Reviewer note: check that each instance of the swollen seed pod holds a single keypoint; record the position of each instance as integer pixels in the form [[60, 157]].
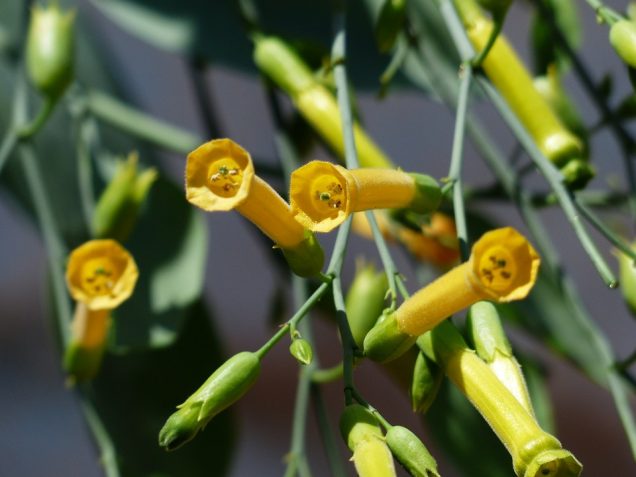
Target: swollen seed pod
[[411, 453], [627, 277], [222, 389], [622, 37], [49, 49]]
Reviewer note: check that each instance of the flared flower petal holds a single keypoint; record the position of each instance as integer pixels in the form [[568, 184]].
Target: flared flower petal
[[101, 274]]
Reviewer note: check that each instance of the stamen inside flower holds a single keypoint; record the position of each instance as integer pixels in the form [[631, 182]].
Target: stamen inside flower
[[497, 268], [328, 195], [99, 275], [224, 177]]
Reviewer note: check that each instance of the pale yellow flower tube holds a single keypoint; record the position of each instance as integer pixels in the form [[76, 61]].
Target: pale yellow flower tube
[[100, 275], [323, 194], [220, 176], [502, 267]]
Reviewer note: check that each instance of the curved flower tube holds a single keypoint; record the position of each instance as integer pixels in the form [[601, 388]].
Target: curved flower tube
[[502, 267], [100, 275], [323, 194], [220, 176]]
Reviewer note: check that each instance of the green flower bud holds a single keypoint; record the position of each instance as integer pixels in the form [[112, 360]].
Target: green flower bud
[[307, 258], [427, 378], [117, 208], [365, 301], [222, 389], [362, 433], [301, 350], [623, 38], [389, 23], [386, 342], [49, 49], [627, 278], [409, 451]]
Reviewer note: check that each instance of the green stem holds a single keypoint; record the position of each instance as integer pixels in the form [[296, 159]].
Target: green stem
[[498, 21], [294, 320], [604, 12], [29, 130], [137, 123], [321, 376], [397, 60], [56, 252], [8, 145], [85, 127], [457, 159], [297, 448], [605, 231], [553, 177], [108, 455], [327, 434]]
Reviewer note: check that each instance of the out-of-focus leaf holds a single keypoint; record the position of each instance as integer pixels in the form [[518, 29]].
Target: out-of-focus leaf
[[542, 40], [606, 86], [627, 108], [169, 244], [465, 437], [135, 393]]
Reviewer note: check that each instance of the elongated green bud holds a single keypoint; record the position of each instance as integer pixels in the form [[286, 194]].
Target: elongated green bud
[[365, 301], [301, 350], [361, 431], [118, 207], [427, 378], [49, 49], [389, 23], [492, 345], [385, 341], [622, 36], [222, 389], [411, 453]]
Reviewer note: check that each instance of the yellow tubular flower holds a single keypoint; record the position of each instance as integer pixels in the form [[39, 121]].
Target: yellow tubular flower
[[502, 267], [323, 195], [100, 275], [220, 177]]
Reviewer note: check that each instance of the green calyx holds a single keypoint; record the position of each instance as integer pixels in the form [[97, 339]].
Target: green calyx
[[81, 363], [49, 49], [428, 194], [307, 258], [357, 423], [627, 278], [385, 342], [411, 453], [577, 173], [223, 388], [282, 65]]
